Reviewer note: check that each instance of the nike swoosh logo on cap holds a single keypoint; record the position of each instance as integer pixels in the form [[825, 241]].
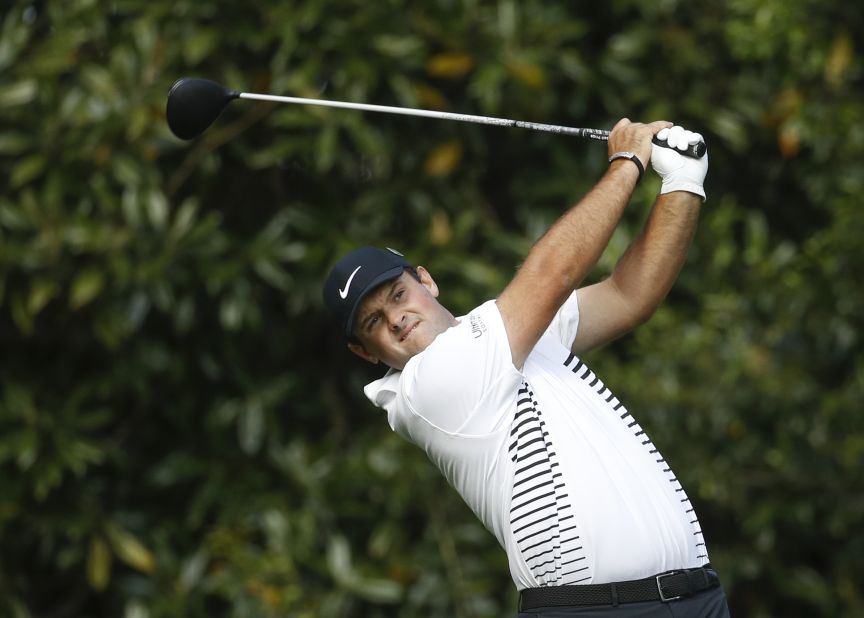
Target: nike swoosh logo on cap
[[343, 294]]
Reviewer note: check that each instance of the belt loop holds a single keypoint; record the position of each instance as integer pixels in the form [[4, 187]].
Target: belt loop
[[705, 575], [614, 591]]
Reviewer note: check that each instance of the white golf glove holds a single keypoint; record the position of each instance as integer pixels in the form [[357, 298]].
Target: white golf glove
[[679, 172]]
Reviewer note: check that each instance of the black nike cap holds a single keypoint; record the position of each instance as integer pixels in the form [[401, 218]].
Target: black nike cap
[[354, 276]]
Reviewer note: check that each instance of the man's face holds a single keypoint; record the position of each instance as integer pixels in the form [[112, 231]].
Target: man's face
[[399, 320]]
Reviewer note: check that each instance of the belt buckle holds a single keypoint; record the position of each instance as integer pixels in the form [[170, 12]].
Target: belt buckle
[[663, 597]]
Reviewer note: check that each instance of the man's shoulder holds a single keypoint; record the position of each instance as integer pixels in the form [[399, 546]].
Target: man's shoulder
[[388, 382]]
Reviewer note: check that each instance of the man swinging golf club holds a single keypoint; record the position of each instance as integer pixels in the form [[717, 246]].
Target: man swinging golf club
[[592, 518]]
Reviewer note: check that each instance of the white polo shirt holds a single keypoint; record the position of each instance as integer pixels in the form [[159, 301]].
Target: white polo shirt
[[548, 458]]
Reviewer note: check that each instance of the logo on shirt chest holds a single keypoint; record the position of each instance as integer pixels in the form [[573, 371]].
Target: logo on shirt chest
[[478, 326]]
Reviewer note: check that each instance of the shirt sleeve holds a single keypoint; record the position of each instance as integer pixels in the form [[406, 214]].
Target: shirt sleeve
[[566, 322], [463, 373]]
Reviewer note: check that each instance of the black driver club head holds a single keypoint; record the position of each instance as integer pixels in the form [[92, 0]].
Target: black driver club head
[[193, 105]]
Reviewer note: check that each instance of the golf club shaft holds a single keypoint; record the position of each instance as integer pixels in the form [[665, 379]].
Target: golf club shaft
[[598, 134]]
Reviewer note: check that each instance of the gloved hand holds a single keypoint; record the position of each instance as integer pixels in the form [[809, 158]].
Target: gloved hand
[[679, 172]]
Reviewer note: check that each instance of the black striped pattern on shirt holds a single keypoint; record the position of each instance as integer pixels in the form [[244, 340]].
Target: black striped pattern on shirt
[[541, 518], [581, 369]]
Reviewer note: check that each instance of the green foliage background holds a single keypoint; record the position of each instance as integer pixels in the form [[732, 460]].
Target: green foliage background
[[181, 434]]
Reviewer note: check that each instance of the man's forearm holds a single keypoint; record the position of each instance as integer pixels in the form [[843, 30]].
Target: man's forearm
[[649, 267], [574, 244], [562, 258]]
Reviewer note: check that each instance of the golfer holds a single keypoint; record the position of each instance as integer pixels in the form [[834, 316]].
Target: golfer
[[592, 517]]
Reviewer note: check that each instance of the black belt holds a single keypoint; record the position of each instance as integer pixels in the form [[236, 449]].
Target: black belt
[[663, 587]]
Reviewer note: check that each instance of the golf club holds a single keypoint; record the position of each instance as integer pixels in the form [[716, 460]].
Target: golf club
[[194, 104]]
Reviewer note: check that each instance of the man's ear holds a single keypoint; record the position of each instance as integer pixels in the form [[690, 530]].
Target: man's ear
[[427, 281], [360, 351]]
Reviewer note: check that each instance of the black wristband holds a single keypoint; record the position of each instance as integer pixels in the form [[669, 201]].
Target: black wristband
[[632, 157]]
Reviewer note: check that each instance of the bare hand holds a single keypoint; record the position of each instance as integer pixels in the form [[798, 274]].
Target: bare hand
[[635, 137]]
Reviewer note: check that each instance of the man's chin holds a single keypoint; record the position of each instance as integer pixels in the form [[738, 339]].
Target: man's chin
[[402, 360]]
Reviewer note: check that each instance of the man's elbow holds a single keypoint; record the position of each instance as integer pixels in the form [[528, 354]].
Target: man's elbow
[[642, 310], [635, 306]]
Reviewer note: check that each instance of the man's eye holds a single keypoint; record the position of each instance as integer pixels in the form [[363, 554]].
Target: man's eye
[[399, 294], [371, 322]]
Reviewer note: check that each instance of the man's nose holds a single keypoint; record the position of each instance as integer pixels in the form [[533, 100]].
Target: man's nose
[[397, 321]]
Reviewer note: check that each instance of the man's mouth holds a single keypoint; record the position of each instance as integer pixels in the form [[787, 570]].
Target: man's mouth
[[407, 332]]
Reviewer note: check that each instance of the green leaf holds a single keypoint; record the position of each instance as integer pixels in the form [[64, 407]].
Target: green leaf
[[157, 209], [325, 147], [273, 274], [184, 219], [26, 170], [199, 46], [27, 449], [251, 427], [98, 564], [192, 570], [126, 170], [129, 549], [41, 293], [231, 313], [48, 475], [78, 454], [15, 143], [339, 560], [378, 590], [13, 217], [86, 286], [19, 93]]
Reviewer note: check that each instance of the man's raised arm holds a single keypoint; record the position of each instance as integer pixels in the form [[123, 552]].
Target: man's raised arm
[[645, 273], [559, 261]]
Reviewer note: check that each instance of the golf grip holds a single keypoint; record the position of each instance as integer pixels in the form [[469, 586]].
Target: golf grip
[[695, 151]]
